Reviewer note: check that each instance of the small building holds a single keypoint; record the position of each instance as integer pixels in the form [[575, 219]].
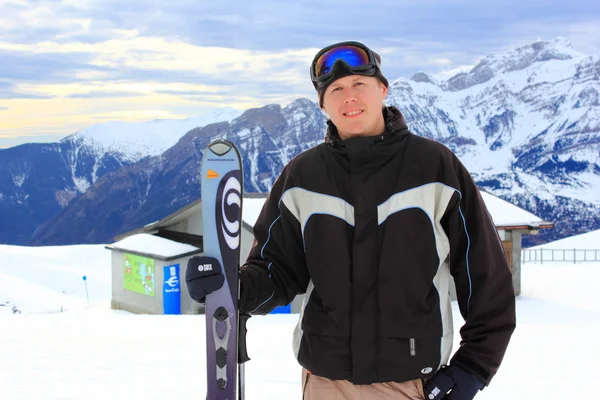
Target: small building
[[179, 237], [146, 273], [512, 223]]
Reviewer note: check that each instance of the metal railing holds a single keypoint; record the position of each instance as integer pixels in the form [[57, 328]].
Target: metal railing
[[561, 255]]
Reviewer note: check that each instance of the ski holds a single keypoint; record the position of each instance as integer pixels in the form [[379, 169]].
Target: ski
[[222, 196]]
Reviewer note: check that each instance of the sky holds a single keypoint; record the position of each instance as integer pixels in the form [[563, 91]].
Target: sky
[[66, 65]]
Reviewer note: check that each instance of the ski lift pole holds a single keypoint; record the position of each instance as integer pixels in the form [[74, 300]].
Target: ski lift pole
[[86, 291]]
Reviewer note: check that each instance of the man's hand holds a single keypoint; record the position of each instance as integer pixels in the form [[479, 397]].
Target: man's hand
[[460, 384]]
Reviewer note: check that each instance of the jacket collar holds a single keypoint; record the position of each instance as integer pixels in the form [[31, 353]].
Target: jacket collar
[[394, 125]]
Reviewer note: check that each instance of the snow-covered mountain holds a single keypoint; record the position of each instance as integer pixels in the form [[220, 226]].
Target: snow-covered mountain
[[38, 180], [525, 122], [143, 192], [133, 141]]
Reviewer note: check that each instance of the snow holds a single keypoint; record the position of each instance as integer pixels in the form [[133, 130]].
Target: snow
[[149, 244], [60, 269], [539, 97], [20, 290], [507, 214], [135, 140], [589, 240], [92, 352], [251, 209]]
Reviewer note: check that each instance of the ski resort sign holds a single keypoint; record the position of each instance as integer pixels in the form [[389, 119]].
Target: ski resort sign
[[138, 274]]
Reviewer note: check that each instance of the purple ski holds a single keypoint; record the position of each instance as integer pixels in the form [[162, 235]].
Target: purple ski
[[222, 194]]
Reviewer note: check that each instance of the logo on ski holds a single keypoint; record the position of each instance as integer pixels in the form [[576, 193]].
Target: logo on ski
[[228, 216], [205, 267], [212, 174]]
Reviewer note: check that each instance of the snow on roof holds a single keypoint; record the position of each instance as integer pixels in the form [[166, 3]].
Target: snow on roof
[[146, 243], [251, 209], [503, 213], [506, 214], [589, 240]]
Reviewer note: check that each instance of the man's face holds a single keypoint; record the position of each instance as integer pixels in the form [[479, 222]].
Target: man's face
[[354, 105]]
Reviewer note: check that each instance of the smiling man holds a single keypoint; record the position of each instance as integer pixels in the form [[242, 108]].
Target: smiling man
[[354, 105], [354, 101], [373, 225]]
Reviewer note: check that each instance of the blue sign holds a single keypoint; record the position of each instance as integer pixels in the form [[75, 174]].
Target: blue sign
[[171, 290], [282, 309]]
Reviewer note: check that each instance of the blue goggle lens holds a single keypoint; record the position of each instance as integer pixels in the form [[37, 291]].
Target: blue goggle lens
[[352, 55]]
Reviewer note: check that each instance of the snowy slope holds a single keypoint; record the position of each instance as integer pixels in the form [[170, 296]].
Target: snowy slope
[[588, 241], [46, 279], [91, 352]]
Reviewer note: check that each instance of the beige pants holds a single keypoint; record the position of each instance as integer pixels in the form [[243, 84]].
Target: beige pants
[[318, 388]]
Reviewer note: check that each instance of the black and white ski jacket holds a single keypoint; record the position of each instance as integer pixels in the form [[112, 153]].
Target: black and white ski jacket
[[372, 229]]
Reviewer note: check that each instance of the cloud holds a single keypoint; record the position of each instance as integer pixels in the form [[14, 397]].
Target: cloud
[[72, 62], [101, 95], [11, 91], [583, 35], [115, 40], [24, 62]]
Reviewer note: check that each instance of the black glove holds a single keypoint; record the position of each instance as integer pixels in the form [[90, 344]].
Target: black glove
[[463, 384], [203, 276]]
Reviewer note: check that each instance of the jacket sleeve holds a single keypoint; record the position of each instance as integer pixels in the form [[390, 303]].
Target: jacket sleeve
[[275, 271], [483, 281]]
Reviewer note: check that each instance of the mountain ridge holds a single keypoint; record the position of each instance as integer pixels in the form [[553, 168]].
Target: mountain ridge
[[526, 124]]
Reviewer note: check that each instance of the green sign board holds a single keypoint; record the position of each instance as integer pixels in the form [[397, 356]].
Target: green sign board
[[138, 274]]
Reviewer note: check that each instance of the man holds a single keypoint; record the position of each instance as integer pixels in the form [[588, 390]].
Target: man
[[372, 225]]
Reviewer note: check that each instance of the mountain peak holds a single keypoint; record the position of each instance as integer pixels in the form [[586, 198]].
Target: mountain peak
[[513, 60], [135, 140], [558, 48], [421, 77]]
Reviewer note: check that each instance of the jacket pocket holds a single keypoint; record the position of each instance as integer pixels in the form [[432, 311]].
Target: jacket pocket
[[408, 358], [410, 347]]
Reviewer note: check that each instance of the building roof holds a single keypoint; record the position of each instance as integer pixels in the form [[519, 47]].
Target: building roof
[[154, 246], [506, 216], [251, 207]]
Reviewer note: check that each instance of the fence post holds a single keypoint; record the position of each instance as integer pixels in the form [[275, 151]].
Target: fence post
[[541, 256], [574, 256]]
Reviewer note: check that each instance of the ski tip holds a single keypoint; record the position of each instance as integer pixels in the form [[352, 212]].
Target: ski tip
[[220, 147]]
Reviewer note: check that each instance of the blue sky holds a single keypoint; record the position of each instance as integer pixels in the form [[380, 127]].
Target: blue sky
[[65, 65]]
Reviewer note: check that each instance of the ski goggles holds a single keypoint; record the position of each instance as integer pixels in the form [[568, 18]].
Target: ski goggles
[[357, 57]]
